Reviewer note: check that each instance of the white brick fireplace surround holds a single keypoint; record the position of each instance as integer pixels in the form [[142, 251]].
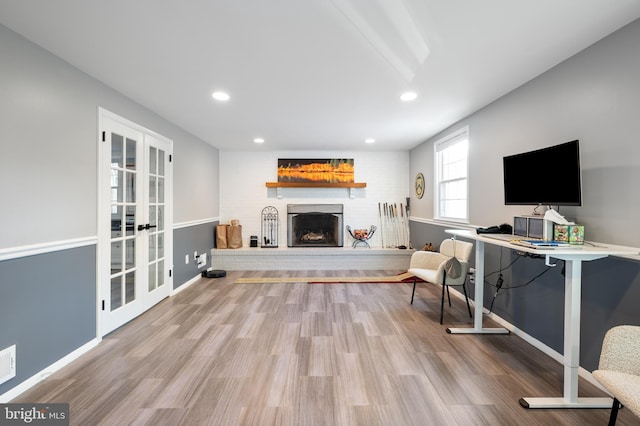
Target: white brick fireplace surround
[[310, 258], [243, 195]]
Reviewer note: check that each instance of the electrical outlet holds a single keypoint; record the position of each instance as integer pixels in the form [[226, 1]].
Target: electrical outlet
[[202, 260], [195, 256], [7, 363], [186, 259]]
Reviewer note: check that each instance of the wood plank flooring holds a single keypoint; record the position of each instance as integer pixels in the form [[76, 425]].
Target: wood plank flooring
[[220, 353]]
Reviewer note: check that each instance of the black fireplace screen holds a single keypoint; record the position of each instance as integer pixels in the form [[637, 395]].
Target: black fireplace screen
[[310, 226]]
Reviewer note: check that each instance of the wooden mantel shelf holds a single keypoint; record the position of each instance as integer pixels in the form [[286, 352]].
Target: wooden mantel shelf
[[314, 185], [280, 185]]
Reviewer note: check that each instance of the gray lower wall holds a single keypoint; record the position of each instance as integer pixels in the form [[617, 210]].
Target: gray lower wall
[[47, 308], [610, 294], [185, 241], [48, 301], [48, 181]]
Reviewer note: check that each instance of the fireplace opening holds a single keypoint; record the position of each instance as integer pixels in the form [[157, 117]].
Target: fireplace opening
[[314, 225]]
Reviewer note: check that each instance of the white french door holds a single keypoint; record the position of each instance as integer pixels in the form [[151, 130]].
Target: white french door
[[135, 213]]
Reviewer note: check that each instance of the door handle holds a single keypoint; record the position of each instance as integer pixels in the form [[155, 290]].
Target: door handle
[[147, 226], [141, 227]]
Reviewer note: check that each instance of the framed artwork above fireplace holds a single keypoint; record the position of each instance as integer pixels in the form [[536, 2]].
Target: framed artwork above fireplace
[[316, 171]]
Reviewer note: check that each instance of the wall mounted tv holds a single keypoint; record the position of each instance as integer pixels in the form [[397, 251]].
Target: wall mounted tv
[[548, 176]]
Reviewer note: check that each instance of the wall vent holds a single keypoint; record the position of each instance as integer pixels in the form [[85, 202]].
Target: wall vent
[[7, 363]]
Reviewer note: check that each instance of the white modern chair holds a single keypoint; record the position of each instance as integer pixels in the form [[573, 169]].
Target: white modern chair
[[619, 368], [432, 267]]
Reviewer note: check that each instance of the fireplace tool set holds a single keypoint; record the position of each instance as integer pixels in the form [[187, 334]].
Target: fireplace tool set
[[394, 225], [270, 221]]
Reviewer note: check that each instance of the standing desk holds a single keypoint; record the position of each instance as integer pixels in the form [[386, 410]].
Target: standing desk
[[572, 298]]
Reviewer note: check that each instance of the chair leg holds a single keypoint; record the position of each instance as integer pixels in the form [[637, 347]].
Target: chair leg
[[442, 304], [464, 288], [414, 288], [614, 412], [444, 284], [449, 296]]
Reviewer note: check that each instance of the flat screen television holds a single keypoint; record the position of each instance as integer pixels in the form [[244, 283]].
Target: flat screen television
[[548, 176]]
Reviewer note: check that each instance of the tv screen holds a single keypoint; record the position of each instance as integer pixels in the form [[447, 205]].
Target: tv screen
[[548, 176]]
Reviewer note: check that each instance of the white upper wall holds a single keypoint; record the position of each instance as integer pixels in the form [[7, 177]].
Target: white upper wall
[[48, 141], [243, 193], [594, 97]]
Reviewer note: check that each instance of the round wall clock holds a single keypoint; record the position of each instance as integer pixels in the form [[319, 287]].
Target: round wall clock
[[419, 185]]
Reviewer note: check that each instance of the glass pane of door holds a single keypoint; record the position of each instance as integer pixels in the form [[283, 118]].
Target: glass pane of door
[[116, 292], [123, 221], [157, 158]]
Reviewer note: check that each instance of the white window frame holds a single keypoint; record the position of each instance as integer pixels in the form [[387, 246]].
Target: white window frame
[[439, 147]]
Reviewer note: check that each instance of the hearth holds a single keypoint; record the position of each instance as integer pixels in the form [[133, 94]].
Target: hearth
[[315, 225]]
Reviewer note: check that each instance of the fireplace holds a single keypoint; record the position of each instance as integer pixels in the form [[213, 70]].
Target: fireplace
[[314, 225]]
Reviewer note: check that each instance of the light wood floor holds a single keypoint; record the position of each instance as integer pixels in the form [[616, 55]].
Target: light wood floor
[[309, 354]]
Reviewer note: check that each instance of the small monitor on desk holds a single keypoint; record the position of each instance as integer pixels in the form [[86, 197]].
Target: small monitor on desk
[[536, 227], [520, 226]]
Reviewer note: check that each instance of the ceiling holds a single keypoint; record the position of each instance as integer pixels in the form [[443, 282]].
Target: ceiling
[[315, 75]]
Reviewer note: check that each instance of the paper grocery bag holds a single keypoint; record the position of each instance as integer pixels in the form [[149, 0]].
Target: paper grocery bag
[[221, 236], [234, 236]]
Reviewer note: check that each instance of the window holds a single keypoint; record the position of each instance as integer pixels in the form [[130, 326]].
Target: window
[[451, 154]]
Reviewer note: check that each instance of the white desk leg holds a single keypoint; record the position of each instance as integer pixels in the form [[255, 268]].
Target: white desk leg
[[479, 300], [571, 359]]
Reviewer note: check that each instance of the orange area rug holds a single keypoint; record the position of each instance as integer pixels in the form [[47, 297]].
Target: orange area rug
[[404, 277]]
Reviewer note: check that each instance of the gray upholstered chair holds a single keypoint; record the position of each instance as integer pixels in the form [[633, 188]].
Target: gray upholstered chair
[[438, 268], [619, 368]]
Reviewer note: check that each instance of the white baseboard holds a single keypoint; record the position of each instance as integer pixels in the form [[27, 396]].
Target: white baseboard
[[38, 377], [186, 284], [585, 374], [46, 372]]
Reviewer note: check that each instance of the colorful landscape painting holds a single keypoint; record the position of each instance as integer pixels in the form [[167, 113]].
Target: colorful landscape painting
[[316, 170]]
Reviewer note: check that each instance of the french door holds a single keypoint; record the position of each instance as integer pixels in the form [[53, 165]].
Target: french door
[[135, 216]]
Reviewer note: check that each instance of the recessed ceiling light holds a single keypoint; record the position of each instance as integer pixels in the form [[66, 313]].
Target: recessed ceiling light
[[369, 140], [258, 140], [408, 96], [220, 96]]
